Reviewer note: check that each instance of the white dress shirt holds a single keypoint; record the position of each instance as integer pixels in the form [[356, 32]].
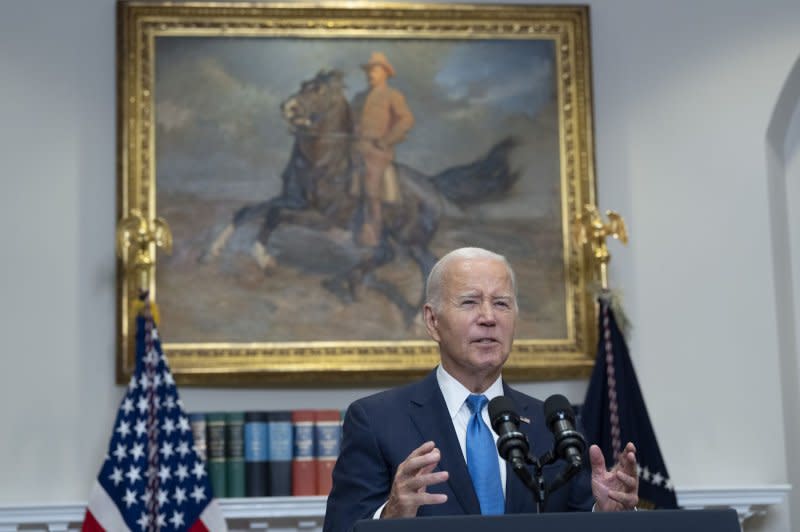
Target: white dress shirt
[[455, 396]]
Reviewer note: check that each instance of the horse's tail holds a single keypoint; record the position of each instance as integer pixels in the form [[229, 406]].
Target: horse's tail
[[488, 178]]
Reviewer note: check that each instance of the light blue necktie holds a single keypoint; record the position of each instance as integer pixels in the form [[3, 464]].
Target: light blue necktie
[[482, 459]]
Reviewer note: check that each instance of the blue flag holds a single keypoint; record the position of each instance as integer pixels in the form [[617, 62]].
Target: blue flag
[[614, 413], [152, 477]]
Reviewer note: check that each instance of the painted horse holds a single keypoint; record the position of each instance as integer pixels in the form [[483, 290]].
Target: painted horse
[[316, 193]]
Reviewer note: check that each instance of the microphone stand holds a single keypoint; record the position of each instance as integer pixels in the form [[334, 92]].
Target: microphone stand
[[535, 482]]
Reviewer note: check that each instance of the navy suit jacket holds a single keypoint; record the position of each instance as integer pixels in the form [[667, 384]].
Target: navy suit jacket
[[381, 430]]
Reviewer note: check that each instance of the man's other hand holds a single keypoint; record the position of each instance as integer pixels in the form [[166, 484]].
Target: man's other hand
[[414, 475], [617, 489]]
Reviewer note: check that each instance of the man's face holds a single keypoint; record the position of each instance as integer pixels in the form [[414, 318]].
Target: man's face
[[475, 325], [377, 75]]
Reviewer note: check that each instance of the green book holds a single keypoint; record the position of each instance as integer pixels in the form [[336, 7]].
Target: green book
[[234, 446], [217, 467]]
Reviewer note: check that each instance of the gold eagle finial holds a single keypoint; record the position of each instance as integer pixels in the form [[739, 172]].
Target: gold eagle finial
[[589, 228], [137, 239]]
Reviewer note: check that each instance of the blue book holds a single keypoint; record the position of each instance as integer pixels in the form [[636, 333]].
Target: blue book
[[256, 454]]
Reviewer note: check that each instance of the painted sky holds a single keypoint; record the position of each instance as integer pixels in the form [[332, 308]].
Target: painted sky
[[218, 100]]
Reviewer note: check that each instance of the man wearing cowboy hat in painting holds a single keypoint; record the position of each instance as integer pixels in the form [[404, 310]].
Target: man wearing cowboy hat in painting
[[382, 120]]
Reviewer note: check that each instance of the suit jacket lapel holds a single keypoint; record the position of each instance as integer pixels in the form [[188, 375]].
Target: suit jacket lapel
[[429, 413]]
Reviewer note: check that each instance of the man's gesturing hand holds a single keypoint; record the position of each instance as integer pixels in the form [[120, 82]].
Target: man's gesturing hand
[[413, 477], [617, 489]]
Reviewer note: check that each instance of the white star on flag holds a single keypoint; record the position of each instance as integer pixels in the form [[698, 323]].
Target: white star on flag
[[197, 494], [137, 451], [116, 476], [177, 519], [124, 429], [130, 497], [183, 449], [120, 452], [133, 474], [140, 428], [183, 425], [182, 472], [142, 405], [199, 470], [180, 496], [166, 450], [164, 474], [169, 426], [169, 402], [143, 520]]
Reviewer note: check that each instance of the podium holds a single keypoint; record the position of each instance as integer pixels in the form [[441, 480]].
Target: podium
[[649, 521]]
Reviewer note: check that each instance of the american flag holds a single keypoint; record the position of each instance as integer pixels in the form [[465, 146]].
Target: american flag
[[614, 413], [152, 478]]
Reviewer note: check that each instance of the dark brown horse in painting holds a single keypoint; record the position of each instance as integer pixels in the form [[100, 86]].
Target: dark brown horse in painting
[[316, 193]]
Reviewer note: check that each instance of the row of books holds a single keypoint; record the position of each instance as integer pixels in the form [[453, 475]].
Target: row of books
[[268, 453]]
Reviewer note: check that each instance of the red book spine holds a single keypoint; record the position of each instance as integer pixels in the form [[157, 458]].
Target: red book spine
[[304, 481], [327, 438]]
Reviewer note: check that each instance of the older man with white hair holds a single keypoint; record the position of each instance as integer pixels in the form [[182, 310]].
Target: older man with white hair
[[426, 448]]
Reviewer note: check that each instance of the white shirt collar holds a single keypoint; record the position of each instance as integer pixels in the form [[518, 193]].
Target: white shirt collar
[[456, 393]]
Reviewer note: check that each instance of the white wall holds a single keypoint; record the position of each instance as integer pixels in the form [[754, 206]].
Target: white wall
[[684, 92]]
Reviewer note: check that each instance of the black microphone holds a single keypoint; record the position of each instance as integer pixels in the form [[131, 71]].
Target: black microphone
[[560, 418], [512, 444]]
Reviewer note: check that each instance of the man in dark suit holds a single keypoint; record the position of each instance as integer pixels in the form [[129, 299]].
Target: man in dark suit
[[412, 450]]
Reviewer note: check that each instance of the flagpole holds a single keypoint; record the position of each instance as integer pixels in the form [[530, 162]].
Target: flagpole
[[589, 228]]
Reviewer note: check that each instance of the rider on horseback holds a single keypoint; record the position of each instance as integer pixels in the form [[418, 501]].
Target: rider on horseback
[[317, 188], [383, 119]]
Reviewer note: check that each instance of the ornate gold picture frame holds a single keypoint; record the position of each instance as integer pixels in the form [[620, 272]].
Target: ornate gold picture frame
[[240, 125]]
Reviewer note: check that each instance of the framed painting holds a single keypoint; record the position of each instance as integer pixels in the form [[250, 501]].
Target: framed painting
[[308, 201]]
